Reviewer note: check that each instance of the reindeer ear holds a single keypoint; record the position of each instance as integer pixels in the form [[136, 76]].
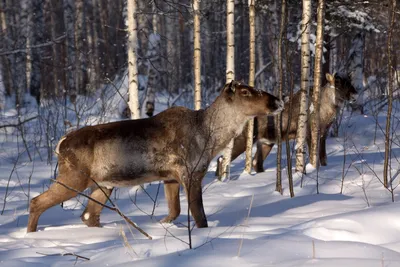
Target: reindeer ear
[[330, 78], [231, 87], [286, 98]]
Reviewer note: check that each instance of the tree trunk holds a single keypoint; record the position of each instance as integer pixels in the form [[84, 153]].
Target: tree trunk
[[314, 116], [252, 73], [94, 66], [304, 87], [355, 66], [386, 164], [36, 38], [55, 58], [197, 55], [5, 66], [106, 52], [282, 35], [260, 54], [20, 61], [133, 83], [70, 47], [80, 65], [230, 75]]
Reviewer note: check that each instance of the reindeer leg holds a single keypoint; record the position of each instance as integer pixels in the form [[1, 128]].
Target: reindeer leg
[[194, 196], [55, 195], [263, 151], [91, 215], [171, 189], [322, 149]]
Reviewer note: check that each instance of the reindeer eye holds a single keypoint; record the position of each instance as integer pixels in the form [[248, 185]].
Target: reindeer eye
[[245, 92]]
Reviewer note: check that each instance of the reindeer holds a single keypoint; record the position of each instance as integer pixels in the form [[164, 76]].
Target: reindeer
[[175, 146], [337, 90]]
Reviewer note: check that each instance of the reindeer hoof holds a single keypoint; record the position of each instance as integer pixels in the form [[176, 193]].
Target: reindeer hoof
[[90, 220], [168, 219], [202, 224]]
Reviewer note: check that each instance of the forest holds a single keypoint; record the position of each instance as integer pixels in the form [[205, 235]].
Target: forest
[[311, 180]]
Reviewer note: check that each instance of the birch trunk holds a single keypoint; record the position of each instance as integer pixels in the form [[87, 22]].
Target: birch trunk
[[230, 75], [386, 165], [252, 73], [304, 87], [197, 55], [132, 60], [314, 116]]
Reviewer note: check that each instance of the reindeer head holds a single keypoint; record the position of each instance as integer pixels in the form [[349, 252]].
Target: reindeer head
[[251, 102], [344, 90]]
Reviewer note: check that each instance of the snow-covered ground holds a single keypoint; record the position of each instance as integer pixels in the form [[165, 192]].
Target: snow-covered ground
[[360, 227]]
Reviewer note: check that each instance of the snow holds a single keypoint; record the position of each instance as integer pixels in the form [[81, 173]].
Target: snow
[[357, 228]]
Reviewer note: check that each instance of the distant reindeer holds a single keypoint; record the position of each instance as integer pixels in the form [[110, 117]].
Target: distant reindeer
[[175, 146], [337, 90]]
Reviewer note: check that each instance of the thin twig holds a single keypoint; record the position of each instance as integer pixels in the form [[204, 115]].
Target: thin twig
[[65, 254], [17, 124], [134, 225]]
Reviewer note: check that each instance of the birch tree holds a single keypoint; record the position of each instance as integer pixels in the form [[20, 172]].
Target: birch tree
[[304, 86], [197, 55], [252, 73], [314, 115], [230, 75], [132, 60]]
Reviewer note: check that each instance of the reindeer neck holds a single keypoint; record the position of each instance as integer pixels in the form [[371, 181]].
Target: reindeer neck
[[329, 102], [224, 122]]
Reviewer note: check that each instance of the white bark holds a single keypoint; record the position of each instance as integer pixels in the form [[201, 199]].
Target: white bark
[[304, 87], [230, 41], [252, 73], [315, 132], [197, 55], [230, 75], [133, 84]]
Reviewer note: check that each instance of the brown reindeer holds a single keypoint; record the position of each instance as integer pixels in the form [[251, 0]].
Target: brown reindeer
[[175, 146], [337, 90]]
